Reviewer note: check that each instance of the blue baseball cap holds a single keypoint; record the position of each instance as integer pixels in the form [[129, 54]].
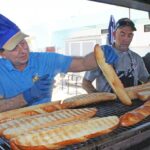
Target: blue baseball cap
[[125, 22], [10, 34]]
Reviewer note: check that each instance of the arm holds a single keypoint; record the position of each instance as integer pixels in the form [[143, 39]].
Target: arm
[[39, 90], [12, 103], [89, 61], [88, 86], [83, 63]]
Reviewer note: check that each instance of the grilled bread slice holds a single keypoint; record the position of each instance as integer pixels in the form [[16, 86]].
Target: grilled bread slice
[[133, 91], [60, 136], [86, 99], [111, 76], [144, 95], [72, 102], [28, 111], [135, 116], [15, 127]]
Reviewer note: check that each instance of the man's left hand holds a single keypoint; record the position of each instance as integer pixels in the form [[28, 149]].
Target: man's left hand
[[110, 54]]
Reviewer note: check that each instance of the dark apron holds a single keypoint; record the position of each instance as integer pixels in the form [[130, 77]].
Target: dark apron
[[127, 79]]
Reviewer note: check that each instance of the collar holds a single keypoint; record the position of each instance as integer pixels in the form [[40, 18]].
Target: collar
[[120, 52], [10, 66]]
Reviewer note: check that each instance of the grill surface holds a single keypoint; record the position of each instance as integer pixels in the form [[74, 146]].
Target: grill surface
[[120, 139], [4, 144]]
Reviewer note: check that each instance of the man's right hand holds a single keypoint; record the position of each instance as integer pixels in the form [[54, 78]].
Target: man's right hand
[[39, 90]]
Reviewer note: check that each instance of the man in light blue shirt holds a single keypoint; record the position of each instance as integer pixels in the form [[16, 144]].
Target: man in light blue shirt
[[130, 66], [26, 78]]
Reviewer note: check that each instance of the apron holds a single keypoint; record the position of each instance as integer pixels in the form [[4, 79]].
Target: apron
[[130, 77]]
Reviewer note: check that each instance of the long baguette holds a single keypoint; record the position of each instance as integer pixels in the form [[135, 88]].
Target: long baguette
[[134, 90], [56, 138], [16, 127], [28, 111], [86, 99], [135, 116], [143, 95], [111, 76], [14, 147], [72, 102]]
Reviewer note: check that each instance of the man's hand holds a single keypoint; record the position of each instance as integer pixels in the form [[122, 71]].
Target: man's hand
[[88, 86], [110, 54], [39, 90]]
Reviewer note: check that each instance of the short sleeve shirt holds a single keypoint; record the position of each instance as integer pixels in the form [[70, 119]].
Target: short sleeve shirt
[[128, 61], [14, 82]]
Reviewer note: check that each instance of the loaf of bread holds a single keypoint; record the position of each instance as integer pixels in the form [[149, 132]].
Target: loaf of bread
[[134, 90], [22, 125], [14, 147], [60, 136], [147, 103], [135, 116], [86, 99], [111, 76], [143, 95], [28, 111], [72, 102]]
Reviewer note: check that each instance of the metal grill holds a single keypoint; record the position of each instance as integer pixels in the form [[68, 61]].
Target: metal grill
[[4, 144], [123, 138]]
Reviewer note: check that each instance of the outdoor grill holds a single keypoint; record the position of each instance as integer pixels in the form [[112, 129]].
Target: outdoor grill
[[123, 138]]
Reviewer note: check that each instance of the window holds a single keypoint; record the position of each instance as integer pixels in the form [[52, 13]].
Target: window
[[104, 31], [147, 28]]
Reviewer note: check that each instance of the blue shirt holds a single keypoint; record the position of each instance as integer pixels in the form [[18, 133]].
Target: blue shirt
[[14, 82]]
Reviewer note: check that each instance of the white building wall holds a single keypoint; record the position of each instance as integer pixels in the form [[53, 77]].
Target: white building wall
[[141, 41], [81, 43]]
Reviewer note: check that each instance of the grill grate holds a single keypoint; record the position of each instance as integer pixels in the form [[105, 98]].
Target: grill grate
[[118, 135], [122, 135], [4, 144]]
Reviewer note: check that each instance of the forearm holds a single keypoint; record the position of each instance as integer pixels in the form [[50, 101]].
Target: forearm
[[83, 63], [88, 87], [12, 103], [89, 62]]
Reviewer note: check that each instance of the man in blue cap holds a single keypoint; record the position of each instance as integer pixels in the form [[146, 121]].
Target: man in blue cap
[[26, 78], [129, 67]]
